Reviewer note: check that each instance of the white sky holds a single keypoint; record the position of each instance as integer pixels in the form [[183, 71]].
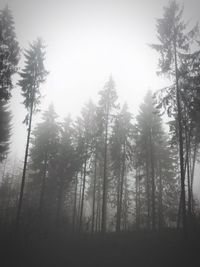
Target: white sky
[[87, 40]]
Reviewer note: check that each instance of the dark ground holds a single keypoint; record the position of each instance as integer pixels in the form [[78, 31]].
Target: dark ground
[[166, 248]]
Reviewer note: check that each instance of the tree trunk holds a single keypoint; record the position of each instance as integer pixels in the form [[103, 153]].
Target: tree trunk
[[192, 172], [187, 143], [75, 200], [137, 199], [147, 187], [183, 202], [24, 170], [118, 200], [83, 195], [98, 208], [94, 192], [80, 194], [152, 183], [160, 197], [104, 200], [119, 215], [125, 206]]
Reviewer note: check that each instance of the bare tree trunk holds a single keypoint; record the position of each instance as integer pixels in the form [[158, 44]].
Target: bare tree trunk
[[183, 202], [192, 172], [24, 169], [99, 214], [104, 199], [118, 200], [147, 187], [98, 208], [94, 192], [187, 141], [83, 195], [125, 206], [179, 214], [160, 197], [80, 194], [152, 183], [137, 198], [119, 215], [75, 200]]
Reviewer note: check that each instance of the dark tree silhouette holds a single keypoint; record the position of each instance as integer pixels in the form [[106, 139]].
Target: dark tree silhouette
[[121, 151], [45, 142], [106, 105], [9, 53], [174, 42], [32, 76], [9, 58]]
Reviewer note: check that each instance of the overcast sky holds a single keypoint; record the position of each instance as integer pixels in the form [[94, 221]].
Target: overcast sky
[[86, 42]]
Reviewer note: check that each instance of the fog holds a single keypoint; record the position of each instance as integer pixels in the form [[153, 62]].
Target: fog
[[86, 42], [106, 173]]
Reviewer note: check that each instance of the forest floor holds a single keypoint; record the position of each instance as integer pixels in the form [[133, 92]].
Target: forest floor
[[141, 248]]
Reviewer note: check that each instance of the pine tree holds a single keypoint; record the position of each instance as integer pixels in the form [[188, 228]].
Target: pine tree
[[121, 154], [9, 58], [32, 76], [65, 165], [152, 159], [45, 141], [87, 124], [106, 106], [174, 43], [9, 53], [190, 96]]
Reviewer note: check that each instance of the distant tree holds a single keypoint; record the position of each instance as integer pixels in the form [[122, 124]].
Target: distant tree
[[87, 122], [78, 178], [107, 103], [154, 163], [5, 126], [32, 76], [146, 128], [45, 142], [98, 157], [9, 53], [121, 154], [65, 166]]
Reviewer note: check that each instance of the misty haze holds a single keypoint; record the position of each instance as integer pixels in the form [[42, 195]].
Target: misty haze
[[99, 133]]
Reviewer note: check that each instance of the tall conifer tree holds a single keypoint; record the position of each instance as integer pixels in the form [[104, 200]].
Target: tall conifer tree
[[32, 76]]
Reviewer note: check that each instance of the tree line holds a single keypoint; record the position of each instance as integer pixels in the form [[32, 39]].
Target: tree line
[[106, 170]]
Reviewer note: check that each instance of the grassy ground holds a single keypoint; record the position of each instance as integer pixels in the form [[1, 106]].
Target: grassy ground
[[166, 248]]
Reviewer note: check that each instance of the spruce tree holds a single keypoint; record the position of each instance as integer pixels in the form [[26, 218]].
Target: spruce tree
[[121, 155], [65, 165], [87, 123], [107, 104], [9, 53], [32, 76], [174, 42], [9, 58], [153, 161], [45, 142]]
